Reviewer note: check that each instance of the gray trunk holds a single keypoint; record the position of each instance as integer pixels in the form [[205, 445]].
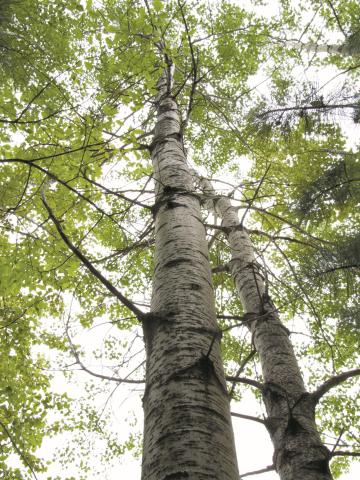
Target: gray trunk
[[187, 432], [299, 453]]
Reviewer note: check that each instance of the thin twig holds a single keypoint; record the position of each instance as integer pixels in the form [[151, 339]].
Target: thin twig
[[94, 374]]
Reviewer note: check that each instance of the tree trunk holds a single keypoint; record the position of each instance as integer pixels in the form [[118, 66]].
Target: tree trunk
[[298, 450], [343, 49], [187, 432]]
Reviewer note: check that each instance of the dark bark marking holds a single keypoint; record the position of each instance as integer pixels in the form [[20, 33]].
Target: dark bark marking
[[275, 391], [320, 466], [176, 476], [213, 413], [160, 226], [167, 197], [176, 262], [162, 108], [172, 240], [200, 220], [204, 365], [159, 139], [272, 424], [293, 427], [227, 230], [150, 323], [170, 190], [170, 204], [204, 255]]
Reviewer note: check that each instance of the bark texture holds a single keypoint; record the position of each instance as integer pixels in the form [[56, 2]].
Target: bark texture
[[344, 49], [298, 450], [187, 432]]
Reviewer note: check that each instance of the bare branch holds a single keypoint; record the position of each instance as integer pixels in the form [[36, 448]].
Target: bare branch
[[335, 269], [257, 191], [60, 181], [336, 17], [338, 440], [334, 382], [270, 468], [322, 107], [243, 364], [124, 251], [341, 453], [248, 417], [20, 453], [280, 237], [94, 374], [220, 269], [124, 300], [247, 381], [119, 195]]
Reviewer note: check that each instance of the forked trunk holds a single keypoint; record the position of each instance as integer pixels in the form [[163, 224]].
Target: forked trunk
[[188, 432], [299, 452]]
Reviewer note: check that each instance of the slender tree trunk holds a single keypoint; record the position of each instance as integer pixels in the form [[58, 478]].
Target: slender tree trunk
[[341, 49], [299, 452], [188, 432]]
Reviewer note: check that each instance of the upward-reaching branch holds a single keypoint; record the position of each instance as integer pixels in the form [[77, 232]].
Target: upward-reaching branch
[[85, 261], [334, 382]]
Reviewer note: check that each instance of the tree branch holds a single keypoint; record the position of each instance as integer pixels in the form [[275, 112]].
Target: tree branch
[[270, 468], [248, 417], [322, 107], [124, 300], [220, 268], [336, 17], [119, 195], [341, 453], [20, 453], [246, 381], [94, 374], [257, 191], [334, 382], [246, 360]]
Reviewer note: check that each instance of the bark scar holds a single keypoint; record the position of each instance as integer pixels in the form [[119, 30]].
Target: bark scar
[[150, 323]]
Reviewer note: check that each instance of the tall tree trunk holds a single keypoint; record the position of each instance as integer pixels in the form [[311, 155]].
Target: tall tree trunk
[[299, 452], [344, 49], [188, 432]]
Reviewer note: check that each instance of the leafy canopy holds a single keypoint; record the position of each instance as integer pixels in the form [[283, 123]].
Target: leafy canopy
[[77, 87]]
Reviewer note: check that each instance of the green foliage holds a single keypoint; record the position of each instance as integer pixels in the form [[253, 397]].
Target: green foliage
[[76, 116]]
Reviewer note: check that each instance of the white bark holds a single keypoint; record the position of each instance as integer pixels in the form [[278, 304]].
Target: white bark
[[340, 49], [187, 432], [299, 452]]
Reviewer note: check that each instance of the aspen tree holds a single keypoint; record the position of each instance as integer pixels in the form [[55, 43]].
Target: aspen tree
[[188, 431]]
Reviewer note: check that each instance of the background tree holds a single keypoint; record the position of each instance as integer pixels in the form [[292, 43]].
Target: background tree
[[78, 89]]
